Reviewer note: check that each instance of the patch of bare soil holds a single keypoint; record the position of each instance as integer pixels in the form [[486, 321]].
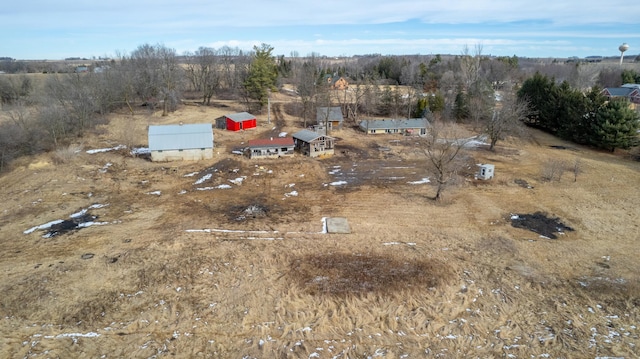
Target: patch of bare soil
[[345, 274], [540, 223]]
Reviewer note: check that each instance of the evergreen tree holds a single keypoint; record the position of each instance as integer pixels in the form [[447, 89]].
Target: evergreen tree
[[436, 103], [262, 76], [570, 107], [461, 107], [538, 92], [615, 126]]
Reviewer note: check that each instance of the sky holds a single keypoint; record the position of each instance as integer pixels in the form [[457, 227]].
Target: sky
[[45, 29]]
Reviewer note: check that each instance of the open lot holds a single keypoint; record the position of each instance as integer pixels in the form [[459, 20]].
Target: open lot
[[229, 257]]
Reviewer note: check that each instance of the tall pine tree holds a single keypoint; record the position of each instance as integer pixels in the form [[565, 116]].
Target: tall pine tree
[[615, 126], [262, 76]]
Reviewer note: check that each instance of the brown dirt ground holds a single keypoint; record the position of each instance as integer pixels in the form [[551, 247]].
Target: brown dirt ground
[[194, 273]]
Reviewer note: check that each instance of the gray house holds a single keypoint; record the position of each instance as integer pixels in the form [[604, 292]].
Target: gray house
[[189, 142], [313, 144], [329, 116], [408, 127]]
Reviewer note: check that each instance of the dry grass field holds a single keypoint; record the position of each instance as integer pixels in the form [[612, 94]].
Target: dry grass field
[[177, 265]]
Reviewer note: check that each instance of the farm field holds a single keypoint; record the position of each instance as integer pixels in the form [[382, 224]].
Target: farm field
[[229, 257]]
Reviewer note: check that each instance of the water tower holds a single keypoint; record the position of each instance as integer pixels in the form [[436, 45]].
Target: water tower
[[624, 47]]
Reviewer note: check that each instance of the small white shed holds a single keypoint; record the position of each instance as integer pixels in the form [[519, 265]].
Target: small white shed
[[485, 172], [190, 142]]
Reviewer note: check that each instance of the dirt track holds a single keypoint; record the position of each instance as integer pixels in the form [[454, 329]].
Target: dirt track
[[177, 271]]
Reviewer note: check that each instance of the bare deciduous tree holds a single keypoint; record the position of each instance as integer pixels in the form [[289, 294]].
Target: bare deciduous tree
[[552, 170], [306, 83], [158, 74], [506, 119], [202, 72], [444, 144]]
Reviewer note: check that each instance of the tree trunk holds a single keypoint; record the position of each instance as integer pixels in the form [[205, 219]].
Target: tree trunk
[[438, 197], [493, 144]]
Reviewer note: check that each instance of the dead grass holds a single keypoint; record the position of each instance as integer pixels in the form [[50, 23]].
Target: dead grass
[[413, 278]]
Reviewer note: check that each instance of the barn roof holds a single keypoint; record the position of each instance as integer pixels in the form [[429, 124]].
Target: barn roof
[[307, 135], [330, 113], [180, 137], [271, 142], [393, 124], [240, 116], [619, 91]]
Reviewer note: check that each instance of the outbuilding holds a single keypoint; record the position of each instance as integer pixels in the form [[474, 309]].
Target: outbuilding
[[408, 127], [486, 171], [271, 147], [329, 117], [240, 121], [313, 144], [186, 142]]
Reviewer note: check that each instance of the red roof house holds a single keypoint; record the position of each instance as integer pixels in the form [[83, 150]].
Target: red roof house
[[271, 147]]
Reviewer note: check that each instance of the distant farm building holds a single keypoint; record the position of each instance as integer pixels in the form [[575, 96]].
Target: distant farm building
[[239, 121], [271, 147], [313, 144], [330, 117], [408, 127], [188, 142], [337, 82], [630, 92]]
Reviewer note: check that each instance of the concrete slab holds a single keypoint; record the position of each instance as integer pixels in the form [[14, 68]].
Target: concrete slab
[[338, 225]]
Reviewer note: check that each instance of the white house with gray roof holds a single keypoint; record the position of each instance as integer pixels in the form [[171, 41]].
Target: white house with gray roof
[[408, 127], [184, 142]]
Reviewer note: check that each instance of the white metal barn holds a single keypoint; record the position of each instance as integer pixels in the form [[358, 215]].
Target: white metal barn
[[184, 142], [485, 172]]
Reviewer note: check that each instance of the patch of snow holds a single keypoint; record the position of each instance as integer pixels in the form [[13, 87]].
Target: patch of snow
[[99, 150], [223, 186], [282, 134], [190, 174], [84, 210], [156, 193], [202, 179], [204, 188], [422, 181], [338, 183], [236, 152], [78, 335], [140, 151], [105, 167], [182, 192], [238, 181], [43, 226], [291, 194]]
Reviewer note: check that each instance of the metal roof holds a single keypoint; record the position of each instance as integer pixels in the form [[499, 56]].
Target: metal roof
[[330, 113], [635, 86], [393, 124], [271, 142], [307, 135], [240, 116], [619, 91], [180, 137]]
